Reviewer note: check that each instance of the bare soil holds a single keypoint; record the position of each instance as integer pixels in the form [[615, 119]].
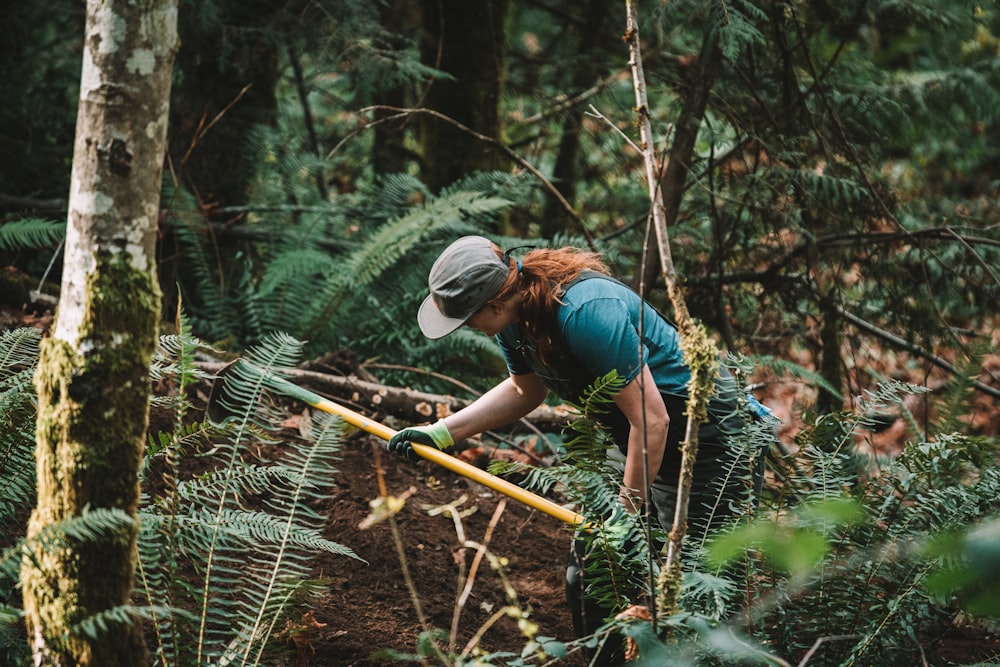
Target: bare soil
[[369, 606]]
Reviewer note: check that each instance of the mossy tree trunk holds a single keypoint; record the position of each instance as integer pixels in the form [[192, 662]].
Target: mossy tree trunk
[[93, 374]]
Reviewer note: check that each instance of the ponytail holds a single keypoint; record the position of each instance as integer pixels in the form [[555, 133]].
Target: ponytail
[[540, 276]]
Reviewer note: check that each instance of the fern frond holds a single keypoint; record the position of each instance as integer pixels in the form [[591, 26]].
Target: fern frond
[[389, 244], [18, 357], [734, 25], [395, 192], [174, 358], [782, 367], [212, 312], [824, 191], [31, 233], [90, 525], [588, 449], [959, 399], [253, 565], [18, 351], [17, 462], [94, 626]]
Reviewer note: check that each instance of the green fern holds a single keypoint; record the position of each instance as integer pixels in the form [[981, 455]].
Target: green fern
[[958, 401], [736, 26], [91, 524], [304, 278], [211, 312], [588, 449], [387, 247], [18, 357], [869, 582], [783, 367], [230, 611], [613, 579], [96, 625], [31, 234]]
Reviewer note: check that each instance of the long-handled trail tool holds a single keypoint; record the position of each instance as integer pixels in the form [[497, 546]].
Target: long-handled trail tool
[[217, 412]]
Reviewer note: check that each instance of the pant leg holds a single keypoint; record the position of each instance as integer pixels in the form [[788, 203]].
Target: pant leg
[[714, 463], [587, 614]]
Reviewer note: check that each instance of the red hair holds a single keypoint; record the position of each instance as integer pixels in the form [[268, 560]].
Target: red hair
[[541, 278]]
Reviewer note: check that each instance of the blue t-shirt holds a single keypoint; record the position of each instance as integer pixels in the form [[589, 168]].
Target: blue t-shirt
[[598, 325], [597, 331]]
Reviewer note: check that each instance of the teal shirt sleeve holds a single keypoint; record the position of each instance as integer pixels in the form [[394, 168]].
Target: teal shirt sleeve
[[516, 363]]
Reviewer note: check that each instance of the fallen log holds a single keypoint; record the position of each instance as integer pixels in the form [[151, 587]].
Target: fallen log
[[407, 405]]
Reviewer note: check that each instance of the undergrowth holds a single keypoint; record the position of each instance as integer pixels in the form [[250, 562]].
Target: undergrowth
[[226, 534], [844, 558], [848, 559]]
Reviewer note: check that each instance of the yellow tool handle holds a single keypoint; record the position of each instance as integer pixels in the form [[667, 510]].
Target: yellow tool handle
[[430, 453], [455, 465]]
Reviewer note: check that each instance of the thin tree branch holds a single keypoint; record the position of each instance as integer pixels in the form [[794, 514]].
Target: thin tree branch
[[700, 353], [819, 642], [553, 190], [13, 202], [910, 347], [203, 128], [307, 117], [563, 102], [628, 139]]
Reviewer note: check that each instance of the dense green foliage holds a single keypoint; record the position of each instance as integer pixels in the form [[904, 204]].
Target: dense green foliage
[[836, 206], [839, 191], [226, 537], [849, 558]]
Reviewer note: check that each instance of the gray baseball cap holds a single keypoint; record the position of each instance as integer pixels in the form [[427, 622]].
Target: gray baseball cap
[[464, 277]]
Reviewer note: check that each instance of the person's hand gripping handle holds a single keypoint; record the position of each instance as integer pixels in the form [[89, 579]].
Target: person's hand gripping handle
[[433, 435]]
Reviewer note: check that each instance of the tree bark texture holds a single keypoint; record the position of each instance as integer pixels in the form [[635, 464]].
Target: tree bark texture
[[93, 374], [466, 39], [390, 155]]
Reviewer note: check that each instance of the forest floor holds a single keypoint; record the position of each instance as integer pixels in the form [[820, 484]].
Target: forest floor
[[368, 606]]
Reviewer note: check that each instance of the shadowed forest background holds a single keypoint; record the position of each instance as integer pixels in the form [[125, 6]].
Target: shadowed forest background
[[830, 173]]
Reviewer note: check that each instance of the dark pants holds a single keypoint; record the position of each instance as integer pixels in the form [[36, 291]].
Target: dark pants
[[709, 506]]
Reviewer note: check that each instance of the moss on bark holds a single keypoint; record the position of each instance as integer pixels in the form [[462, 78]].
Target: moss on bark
[[93, 411]]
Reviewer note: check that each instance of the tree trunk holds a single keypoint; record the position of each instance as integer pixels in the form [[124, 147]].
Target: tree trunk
[[466, 39], [585, 71], [390, 154], [93, 374]]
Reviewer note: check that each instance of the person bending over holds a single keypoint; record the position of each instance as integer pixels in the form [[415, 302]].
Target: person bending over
[[562, 322]]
